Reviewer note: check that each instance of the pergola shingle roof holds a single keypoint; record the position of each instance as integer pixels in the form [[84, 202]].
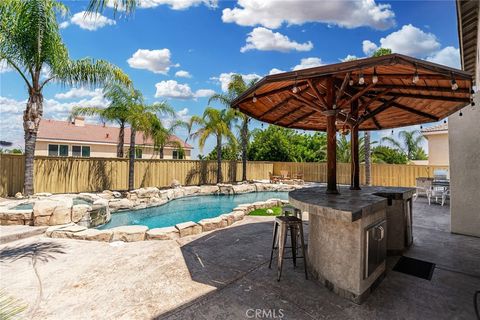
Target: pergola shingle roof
[[394, 101]]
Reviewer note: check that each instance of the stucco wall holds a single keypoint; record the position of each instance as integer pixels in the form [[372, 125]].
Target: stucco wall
[[464, 145], [105, 151], [438, 149]]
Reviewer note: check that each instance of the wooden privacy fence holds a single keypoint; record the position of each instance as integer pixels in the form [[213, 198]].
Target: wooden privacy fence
[[395, 175], [68, 175], [65, 175]]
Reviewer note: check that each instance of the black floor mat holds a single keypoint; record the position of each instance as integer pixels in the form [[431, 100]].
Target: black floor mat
[[415, 267]]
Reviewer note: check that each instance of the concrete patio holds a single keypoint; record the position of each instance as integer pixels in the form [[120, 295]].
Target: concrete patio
[[224, 275]]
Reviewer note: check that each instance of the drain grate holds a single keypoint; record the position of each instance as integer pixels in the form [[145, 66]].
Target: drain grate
[[414, 267]]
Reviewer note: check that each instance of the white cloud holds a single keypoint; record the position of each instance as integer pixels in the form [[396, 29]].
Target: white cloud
[[349, 57], [173, 89], [273, 13], [411, 41], [4, 67], [448, 56], [225, 78], [264, 39], [157, 61], [173, 4], [306, 63], [204, 93], [79, 93], [275, 71], [368, 47], [90, 21], [64, 24], [11, 111], [183, 74]]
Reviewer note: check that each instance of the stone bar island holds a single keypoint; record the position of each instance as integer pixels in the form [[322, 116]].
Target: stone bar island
[[347, 240]]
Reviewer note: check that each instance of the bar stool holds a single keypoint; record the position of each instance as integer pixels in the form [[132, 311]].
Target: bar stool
[[291, 211], [294, 225]]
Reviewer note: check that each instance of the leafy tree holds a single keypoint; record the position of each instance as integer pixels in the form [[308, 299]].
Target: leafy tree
[[409, 143], [236, 87], [161, 135], [30, 43], [384, 154], [382, 52], [229, 152], [116, 111], [214, 123]]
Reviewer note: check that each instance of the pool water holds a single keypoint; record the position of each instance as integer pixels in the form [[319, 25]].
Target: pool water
[[188, 209]]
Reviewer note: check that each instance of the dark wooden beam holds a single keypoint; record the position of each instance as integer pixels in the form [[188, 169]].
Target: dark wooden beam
[[275, 91], [317, 93], [331, 139], [383, 107], [354, 150], [415, 111], [306, 101], [279, 105], [342, 88], [357, 95], [374, 119], [417, 88], [429, 97], [301, 118], [288, 114], [367, 103]]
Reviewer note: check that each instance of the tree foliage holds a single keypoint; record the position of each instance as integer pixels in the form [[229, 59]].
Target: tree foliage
[[408, 142]]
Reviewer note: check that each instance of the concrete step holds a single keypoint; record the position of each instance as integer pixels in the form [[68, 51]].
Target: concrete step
[[13, 233]]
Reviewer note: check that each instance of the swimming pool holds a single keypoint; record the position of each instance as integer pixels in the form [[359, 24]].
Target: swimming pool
[[188, 209]]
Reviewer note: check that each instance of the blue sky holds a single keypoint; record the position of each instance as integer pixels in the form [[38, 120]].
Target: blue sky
[[182, 51]]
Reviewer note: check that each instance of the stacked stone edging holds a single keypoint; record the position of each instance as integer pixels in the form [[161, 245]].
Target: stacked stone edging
[[134, 233]]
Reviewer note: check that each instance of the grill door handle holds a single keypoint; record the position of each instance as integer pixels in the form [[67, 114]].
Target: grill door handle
[[379, 233]]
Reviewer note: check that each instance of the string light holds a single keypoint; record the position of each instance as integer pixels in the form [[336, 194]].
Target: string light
[[454, 83], [444, 121], [460, 114], [361, 79], [392, 131], [375, 76], [350, 82], [415, 76], [421, 127], [295, 88], [254, 99]]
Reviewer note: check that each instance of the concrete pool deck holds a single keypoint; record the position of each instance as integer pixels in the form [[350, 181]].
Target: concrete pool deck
[[224, 275]]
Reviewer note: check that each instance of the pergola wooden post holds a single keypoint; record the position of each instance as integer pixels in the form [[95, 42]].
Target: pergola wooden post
[[331, 114], [355, 162]]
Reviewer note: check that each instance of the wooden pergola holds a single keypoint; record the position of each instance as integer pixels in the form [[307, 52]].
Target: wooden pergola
[[368, 94]]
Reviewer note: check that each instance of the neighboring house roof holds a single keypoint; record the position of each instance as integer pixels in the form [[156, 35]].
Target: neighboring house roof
[[437, 128], [65, 130]]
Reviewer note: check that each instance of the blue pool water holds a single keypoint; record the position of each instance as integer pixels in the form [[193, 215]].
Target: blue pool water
[[188, 209]]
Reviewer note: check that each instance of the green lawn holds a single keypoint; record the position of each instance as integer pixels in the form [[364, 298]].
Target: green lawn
[[263, 212]]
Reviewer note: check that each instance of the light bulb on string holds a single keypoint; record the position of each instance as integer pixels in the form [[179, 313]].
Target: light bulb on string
[[375, 76], [350, 83], [295, 88], [454, 83], [415, 76], [460, 114], [361, 79], [254, 99]]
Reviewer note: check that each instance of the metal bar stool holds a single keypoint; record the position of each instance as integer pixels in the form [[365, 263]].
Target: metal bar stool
[[293, 225]]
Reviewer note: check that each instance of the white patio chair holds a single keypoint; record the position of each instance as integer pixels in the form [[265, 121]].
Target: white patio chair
[[439, 192], [423, 187]]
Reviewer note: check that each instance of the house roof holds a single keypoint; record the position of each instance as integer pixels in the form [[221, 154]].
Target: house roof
[[468, 24], [65, 130], [440, 127]]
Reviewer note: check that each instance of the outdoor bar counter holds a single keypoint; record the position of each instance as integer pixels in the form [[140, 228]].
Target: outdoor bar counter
[[348, 239]]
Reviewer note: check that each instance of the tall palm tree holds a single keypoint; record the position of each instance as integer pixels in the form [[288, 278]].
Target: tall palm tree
[[162, 135], [30, 43], [141, 118], [214, 123], [236, 87], [409, 144], [116, 111]]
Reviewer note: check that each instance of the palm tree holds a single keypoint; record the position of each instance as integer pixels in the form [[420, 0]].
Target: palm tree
[[141, 118], [116, 111], [30, 43], [214, 123], [366, 153], [409, 144], [162, 136], [344, 149], [236, 87]]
